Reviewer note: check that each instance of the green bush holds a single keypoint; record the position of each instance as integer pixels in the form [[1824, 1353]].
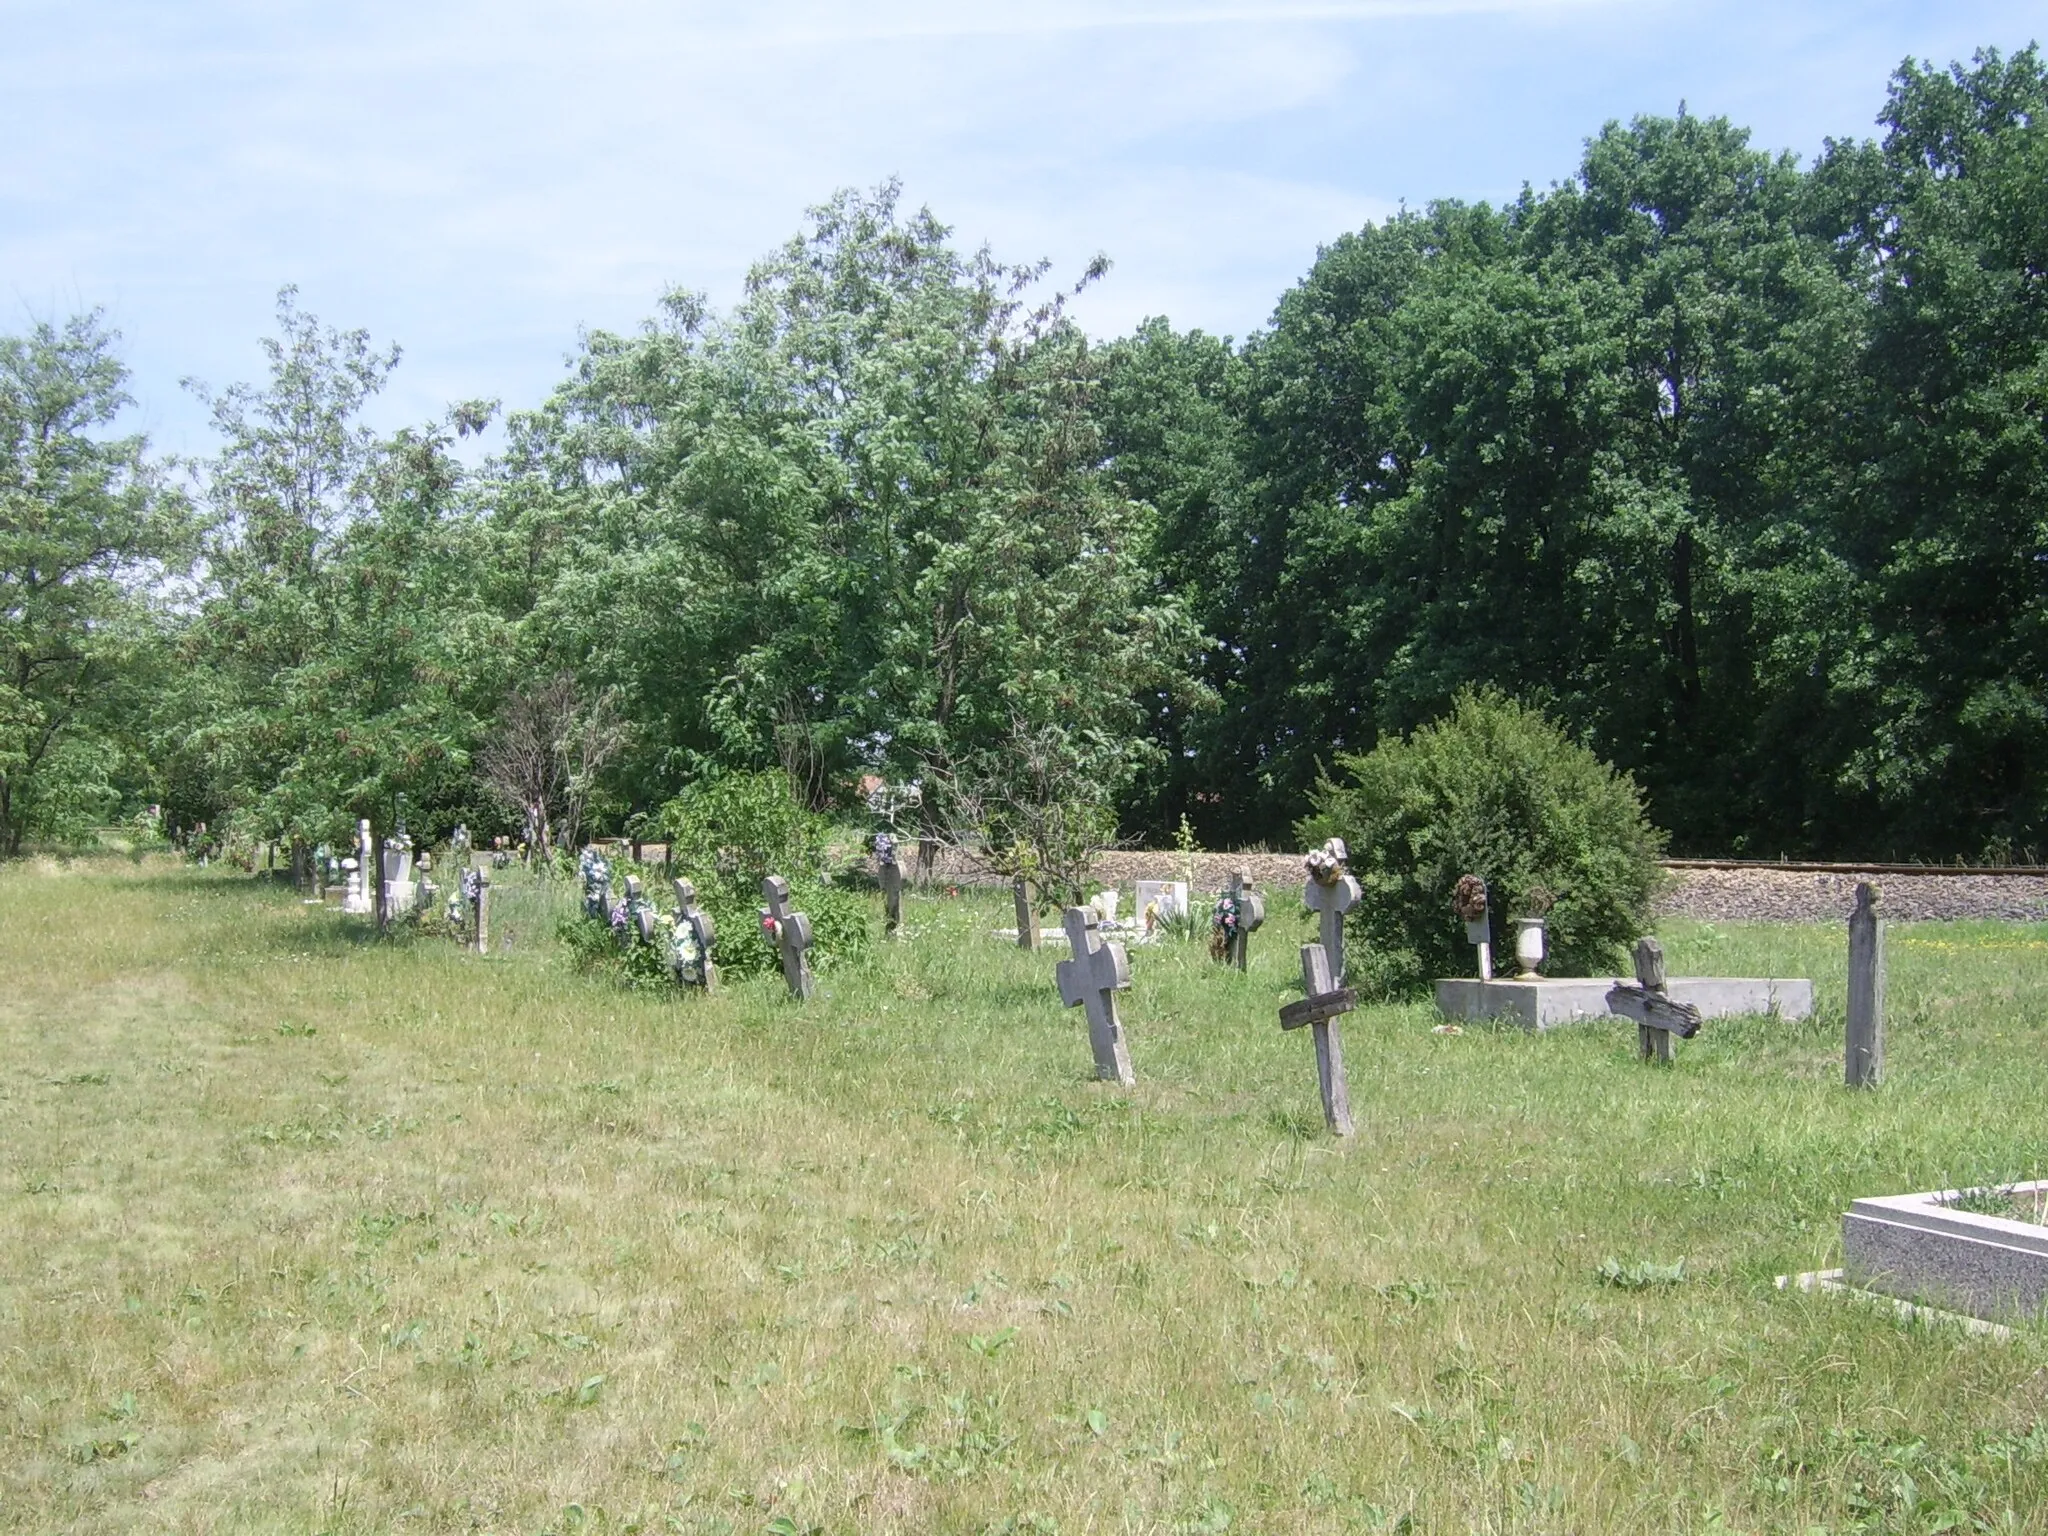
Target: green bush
[[1493, 789], [739, 827]]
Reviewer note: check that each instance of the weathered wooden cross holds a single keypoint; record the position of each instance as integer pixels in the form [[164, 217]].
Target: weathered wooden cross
[[1325, 1003], [1251, 915], [1092, 979], [790, 933], [1657, 1017], [1330, 893]]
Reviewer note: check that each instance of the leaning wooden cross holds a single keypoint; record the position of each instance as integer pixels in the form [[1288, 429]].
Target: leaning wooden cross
[[1331, 891], [790, 933], [1092, 979], [1325, 1004], [1657, 1017]]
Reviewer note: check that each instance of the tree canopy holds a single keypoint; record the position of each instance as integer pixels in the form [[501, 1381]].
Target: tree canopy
[[1735, 466]]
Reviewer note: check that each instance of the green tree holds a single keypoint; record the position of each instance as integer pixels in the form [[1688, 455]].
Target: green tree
[[87, 531]]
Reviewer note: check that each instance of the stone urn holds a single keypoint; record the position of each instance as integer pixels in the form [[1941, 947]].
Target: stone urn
[[1529, 946]]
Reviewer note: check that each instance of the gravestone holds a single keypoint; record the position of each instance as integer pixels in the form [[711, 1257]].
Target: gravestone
[[458, 844], [353, 900], [891, 874], [1324, 1004], [696, 937], [1027, 913], [790, 933], [1092, 980], [1648, 1001], [1864, 1046], [476, 895], [927, 859], [1331, 891], [361, 899], [1468, 900], [1159, 902], [1240, 912], [640, 915], [596, 874]]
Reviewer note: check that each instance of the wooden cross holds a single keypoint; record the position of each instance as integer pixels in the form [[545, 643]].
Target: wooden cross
[[1092, 979], [1320, 1009], [476, 893], [698, 921], [790, 933], [1863, 1038], [1330, 899], [1251, 914], [1657, 1017]]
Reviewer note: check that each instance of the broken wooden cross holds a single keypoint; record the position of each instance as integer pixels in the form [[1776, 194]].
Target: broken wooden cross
[[1325, 1003], [1657, 1017], [790, 933], [1092, 979]]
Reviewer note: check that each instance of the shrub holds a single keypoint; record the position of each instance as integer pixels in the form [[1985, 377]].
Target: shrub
[[740, 827], [1493, 789]]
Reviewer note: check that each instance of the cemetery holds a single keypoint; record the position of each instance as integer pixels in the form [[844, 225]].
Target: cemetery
[[950, 1231], [881, 911]]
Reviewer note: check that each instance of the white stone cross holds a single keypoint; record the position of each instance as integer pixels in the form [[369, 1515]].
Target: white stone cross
[[1330, 895], [1251, 915], [1092, 979], [790, 933], [1320, 1009]]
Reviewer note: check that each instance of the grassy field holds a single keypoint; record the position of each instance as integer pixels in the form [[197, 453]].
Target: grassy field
[[304, 1232]]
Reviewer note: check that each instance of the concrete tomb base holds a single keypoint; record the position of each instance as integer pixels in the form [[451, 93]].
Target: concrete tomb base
[[1921, 1248], [1545, 1003]]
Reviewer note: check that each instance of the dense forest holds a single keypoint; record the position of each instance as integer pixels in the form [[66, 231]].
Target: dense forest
[[1736, 466]]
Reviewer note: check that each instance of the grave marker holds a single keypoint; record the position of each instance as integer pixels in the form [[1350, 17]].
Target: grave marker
[[790, 933], [1323, 1006], [476, 895], [1092, 979], [892, 883], [1027, 913], [1330, 893], [696, 936], [1240, 912], [1864, 1067], [1468, 900], [1649, 1003]]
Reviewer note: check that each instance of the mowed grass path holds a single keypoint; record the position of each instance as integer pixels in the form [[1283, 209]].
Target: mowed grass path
[[304, 1232]]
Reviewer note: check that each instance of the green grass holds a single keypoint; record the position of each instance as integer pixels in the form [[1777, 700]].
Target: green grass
[[304, 1232]]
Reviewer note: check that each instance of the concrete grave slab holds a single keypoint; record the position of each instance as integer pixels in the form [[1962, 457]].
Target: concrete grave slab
[[1548, 1002], [1921, 1248]]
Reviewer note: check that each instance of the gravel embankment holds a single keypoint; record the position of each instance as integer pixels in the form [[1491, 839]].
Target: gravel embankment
[[1721, 895]]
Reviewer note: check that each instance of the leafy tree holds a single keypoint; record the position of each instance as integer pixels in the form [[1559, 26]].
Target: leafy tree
[[1494, 790], [87, 531]]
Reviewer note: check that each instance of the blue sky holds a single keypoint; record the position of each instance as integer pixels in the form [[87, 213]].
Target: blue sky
[[480, 181]]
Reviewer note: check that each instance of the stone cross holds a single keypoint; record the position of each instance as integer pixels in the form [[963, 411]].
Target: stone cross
[[640, 915], [693, 919], [1330, 893], [1251, 915], [1324, 1005], [1027, 913], [1657, 1017], [1092, 979], [1864, 1047], [891, 874], [790, 933], [365, 901]]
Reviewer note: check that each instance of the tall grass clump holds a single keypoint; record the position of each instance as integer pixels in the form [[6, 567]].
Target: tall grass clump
[[1497, 790]]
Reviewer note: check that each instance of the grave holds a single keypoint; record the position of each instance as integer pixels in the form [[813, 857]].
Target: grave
[[360, 899], [694, 941], [1160, 902], [790, 933], [1331, 891], [1549, 1001], [1240, 913], [1323, 1004], [1924, 1248], [891, 875], [1648, 1002], [1091, 980], [1027, 913]]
